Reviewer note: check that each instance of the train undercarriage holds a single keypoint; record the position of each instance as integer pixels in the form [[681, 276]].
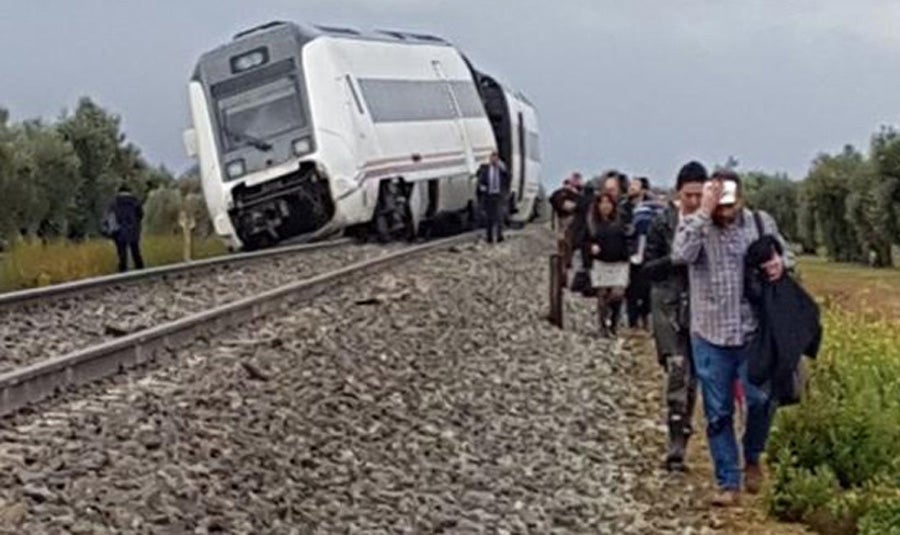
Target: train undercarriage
[[299, 205], [287, 207], [394, 218]]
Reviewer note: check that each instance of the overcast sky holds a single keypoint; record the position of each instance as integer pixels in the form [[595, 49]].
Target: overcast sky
[[639, 85]]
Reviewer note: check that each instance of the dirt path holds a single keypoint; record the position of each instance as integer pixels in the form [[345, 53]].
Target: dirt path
[[697, 485]]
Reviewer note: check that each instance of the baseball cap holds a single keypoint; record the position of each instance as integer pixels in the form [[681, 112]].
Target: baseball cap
[[729, 192]]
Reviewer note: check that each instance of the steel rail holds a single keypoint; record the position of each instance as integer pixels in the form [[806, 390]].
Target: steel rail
[[39, 381], [93, 284]]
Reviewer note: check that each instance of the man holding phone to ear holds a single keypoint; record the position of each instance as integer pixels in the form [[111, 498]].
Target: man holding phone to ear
[[713, 243]]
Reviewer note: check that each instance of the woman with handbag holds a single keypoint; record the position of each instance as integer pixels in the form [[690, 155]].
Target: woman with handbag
[[606, 243]]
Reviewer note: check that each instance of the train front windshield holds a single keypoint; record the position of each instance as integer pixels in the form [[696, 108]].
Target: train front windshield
[[255, 115]]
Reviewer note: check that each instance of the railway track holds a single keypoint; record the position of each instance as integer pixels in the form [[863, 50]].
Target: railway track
[[38, 324], [98, 284], [41, 379]]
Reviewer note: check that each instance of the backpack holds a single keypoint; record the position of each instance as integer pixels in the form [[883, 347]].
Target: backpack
[[643, 216], [109, 227]]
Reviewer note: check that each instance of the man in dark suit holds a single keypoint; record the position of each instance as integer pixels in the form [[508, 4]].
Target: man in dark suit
[[128, 213], [493, 190]]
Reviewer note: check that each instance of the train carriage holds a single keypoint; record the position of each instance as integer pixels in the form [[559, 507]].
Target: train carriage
[[312, 130]]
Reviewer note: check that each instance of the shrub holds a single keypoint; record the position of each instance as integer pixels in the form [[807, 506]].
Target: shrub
[[797, 493], [882, 519], [837, 454]]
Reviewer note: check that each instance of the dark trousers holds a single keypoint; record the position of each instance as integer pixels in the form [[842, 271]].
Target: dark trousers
[[638, 297], [681, 394], [493, 216], [675, 353], [123, 247]]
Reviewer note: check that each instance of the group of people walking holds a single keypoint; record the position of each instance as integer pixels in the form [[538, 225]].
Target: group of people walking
[[690, 262], [708, 276], [604, 226]]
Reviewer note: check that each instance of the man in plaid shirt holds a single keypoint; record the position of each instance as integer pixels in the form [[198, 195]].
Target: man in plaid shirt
[[713, 243]]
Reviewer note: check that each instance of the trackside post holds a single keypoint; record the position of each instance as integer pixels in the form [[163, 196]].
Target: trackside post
[[556, 290]]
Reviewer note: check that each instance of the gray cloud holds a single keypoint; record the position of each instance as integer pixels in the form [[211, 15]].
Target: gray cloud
[[640, 85]]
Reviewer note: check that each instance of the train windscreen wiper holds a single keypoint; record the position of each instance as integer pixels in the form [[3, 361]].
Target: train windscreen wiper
[[252, 141]]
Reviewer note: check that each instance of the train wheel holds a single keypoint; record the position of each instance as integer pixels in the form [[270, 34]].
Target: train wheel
[[253, 244], [469, 222], [358, 233], [410, 232], [383, 227]]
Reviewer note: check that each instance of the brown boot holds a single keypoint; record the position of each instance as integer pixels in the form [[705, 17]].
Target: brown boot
[[753, 477], [725, 498]]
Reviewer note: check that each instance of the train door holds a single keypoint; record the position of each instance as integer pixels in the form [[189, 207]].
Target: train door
[[523, 157]]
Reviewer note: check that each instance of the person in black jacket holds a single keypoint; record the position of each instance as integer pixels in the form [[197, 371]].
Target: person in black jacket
[[670, 298], [606, 244], [128, 214], [493, 190]]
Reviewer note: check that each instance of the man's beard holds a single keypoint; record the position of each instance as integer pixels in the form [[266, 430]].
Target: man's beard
[[723, 221]]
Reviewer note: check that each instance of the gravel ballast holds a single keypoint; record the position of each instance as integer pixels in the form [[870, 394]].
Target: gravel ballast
[[433, 398], [39, 331]]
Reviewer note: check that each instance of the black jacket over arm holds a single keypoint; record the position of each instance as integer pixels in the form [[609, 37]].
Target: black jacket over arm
[[789, 324]]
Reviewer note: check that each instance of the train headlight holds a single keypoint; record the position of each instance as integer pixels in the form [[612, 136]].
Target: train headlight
[[302, 146], [235, 168], [251, 59]]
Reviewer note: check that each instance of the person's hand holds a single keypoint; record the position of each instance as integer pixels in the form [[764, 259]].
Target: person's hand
[[712, 193], [774, 268], [569, 206], [595, 249]]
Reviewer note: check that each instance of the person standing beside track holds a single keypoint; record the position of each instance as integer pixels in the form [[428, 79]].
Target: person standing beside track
[[670, 298], [493, 190], [125, 216]]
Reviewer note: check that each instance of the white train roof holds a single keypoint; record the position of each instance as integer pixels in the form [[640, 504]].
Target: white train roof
[[311, 31]]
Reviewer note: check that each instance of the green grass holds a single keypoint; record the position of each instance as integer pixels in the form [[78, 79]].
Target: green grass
[[873, 293], [31, 264]]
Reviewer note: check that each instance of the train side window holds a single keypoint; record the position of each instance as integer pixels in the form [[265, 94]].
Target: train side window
[[355, 95]]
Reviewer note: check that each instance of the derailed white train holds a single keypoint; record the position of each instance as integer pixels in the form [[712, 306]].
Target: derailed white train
[[311, 130]]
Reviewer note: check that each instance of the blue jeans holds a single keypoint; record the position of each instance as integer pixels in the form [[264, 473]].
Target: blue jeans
[[717, 369]]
